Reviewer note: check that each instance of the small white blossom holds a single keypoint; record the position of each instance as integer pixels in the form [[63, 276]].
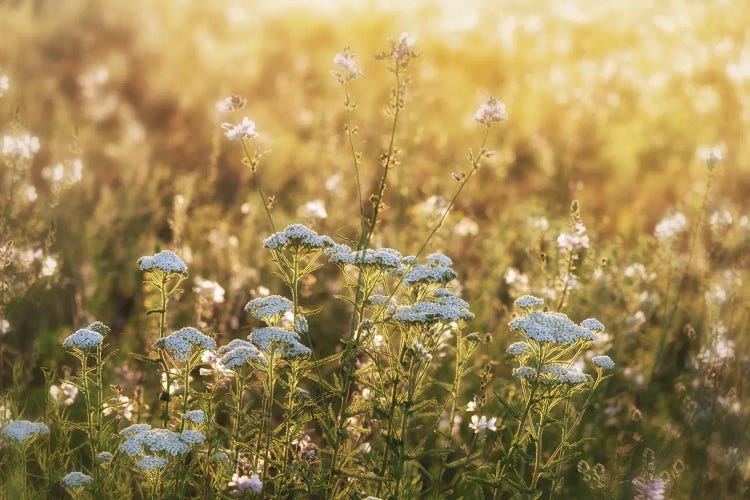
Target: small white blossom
[[669, 227], [210, 289], [482, 424], [121, 406], [314, 209], [711, 155], [64, 394], [246, 128], [490, 112], [348, 65], [231, 103], [4, 84], [24, 146], [244, 483]]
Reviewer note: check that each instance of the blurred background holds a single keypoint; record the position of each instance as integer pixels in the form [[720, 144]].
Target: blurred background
[[610, 103]]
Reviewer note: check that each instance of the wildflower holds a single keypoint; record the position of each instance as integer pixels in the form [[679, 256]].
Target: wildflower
[[270, 308], [83, 339], [297, 236], [246, 128], [49, 266], [649, 489], [517, 348], [562, 374], [524, 372], [491, 112], [175, 385], [4, 327], [603, 362], [103, 457], [22, 430], [365, 448], [64, 394], [166, 261], [134, 429], [75, 480], [121, 406], [210, 289], [244, 483], [720, 220], [231, 103], [99, 327], [195, 416], [711, 155], [482, 424], [420, 350], [238, 353], [192, 437], [552, 327], [158, 441], [575, 240], [149, 463], [528, 301], [314, 209], [217, 368], [24, 146], [432, 312], [181, 342], [669, 227], [348, 65], [4, 84], [429, 274], [382, 258]]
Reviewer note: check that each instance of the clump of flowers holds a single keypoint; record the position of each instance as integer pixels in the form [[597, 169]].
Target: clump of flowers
[[182, 342], [84, 340], [77, 480], [21, 431], [165, 261]]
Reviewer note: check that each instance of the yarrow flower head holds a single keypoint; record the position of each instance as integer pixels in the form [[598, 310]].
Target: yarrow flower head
[[552, 327], [528, 302], [150, 464], [195, 416], [140, 438], [270, 308], [382, 258], [242, 483], [593, 324], [299, 237], [4, 84], [562, 374], [83, 339], [286, 341], [104, 457], [491, 112], [524, 372], [167, 261], [64, 394], [239, 353], [349, 70], [75, 480], [245, 129], [24, 146], [182, 342], [482, 424], [22, 430], [231, 103], [603, 362], [517, 348]]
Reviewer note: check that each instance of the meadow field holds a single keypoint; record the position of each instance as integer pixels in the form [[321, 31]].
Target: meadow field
[[374, 250]]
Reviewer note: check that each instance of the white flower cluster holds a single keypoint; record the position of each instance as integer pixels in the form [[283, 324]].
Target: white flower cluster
[[238, 353], [575, 240], [593, 324], [423, 274], [720, 220], [313, 209], [552, 327], [711, 155], [195, 416], [216, 366], [166, 260], [562, 374], [142, 436], [444, 309], [74, 480], [297, 236], [528, 301], [348, 65], [210, 289], [270, 307], [121, 406], [420, 350], [149, 463], [669, 227], [490, 112], [21, 430], [181, 342], [83, 339], [4, 84], [104, 457], [24, 146], [603, 362], [482, 424], [64, 394], [246, 128], [517, 348], [524, 372], [286, 340]]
